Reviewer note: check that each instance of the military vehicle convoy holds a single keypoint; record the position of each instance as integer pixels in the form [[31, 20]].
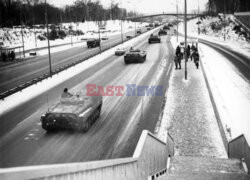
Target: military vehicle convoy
[[154, 38], [91, 43], [77, 112], [162, 32], [135, 56]]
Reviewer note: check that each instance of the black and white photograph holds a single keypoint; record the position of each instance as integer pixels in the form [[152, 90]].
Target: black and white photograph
[[125, 89]]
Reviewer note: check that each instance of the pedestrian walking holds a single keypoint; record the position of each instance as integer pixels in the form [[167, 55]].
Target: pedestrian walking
[[196, 59], [188, 51], [178, 50]]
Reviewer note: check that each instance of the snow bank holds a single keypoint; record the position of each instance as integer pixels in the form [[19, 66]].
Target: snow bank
[[12, 37]]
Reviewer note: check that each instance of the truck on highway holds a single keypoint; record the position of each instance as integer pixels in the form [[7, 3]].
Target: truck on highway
[[77, 112]]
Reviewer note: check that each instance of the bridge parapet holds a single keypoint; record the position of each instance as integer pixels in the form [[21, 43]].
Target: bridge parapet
[[150, 156]]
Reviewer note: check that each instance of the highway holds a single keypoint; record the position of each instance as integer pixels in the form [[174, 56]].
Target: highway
[[116, 132], [19, 73]]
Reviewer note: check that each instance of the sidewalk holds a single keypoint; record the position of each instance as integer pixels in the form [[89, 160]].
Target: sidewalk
[[189, 116]]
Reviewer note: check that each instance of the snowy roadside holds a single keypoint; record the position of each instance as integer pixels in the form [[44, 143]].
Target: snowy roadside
[[229, 89], [90, 29], [233, 42], [230, 93], [33, 91]]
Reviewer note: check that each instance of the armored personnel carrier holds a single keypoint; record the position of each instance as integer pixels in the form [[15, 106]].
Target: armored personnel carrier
[[154, 38], [162, 32], [77, 112], [135, 56]]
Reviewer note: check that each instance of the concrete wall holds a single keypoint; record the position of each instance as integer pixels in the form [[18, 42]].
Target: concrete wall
[[149, 157], [239, 148], [152, 154]]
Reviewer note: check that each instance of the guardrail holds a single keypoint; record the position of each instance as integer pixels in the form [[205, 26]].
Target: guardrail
[[239, 148], [150, 156], [59, 69]]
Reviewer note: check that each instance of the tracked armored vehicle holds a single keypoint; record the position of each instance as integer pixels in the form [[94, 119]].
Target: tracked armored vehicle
[[135, 56], [78, 112], [154, 39]]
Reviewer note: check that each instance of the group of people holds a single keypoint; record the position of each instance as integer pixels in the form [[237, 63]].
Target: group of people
[[10, 56], [192, 53]]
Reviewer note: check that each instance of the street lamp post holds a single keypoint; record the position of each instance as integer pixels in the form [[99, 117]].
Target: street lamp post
[[121, 21], [100, 47], [46, 20], [185, 50], [177, 18], [121, 31]]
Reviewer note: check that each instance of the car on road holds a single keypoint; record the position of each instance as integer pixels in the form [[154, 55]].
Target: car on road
[[104, 38], [165, 27], [93, 43], [129, 36], [162, 32], [120, 51], [154, 38], [77, 112], [135, 56], [138, 31]]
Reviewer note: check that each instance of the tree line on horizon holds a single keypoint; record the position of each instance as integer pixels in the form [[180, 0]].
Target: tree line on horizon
[[32, 12], [227, 6]]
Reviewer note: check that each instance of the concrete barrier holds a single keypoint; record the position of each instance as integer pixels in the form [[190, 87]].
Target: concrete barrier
[[239, 148], [150, 156]]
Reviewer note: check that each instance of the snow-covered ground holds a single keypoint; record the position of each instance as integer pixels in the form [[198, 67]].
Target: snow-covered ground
[[233, 40], [230, 89], [12, 37]]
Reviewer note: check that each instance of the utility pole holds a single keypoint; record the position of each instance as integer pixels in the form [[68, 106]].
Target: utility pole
[[224, 24], [199, 17], [34, 29], [111, 4], [99, 37], [177, 18], [70, 26], [121, 31], [21, 22], [185, 50], [121, 24], [22, 39], [47, 26]]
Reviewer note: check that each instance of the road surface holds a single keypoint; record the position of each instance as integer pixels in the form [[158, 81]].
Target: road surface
[[114, 135], [19, 73]]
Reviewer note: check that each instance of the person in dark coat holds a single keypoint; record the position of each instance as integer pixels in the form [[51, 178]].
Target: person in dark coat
[[196, 59], [178, 50], [188, 51], [12, 55], [177, 61], [66, 94]]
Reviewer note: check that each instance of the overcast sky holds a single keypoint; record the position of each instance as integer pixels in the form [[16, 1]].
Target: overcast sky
[[145, 6]]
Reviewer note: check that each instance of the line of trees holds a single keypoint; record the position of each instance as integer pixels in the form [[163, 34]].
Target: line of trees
[[29, 12], [226, 6]]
